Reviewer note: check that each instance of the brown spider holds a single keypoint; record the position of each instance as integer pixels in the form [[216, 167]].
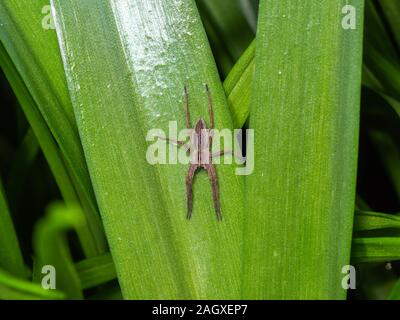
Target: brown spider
[[200, 144]]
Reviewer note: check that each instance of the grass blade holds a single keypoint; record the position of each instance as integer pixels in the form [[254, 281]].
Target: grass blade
[[366, 221], [51, 247], [391, 9], [395, 293], [10, 253], [35, 56], [238, 86], [46, 142], [222, 20], [96, 271], [119, 92], [303, 186], [12, 288], [375, 249]]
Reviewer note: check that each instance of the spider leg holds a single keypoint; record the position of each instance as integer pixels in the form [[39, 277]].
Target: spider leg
[[223, 152], [212, 175], [189, 188], [177, 142]]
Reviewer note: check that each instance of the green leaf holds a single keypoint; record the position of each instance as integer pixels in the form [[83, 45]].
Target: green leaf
[[366, 221], [95, 271], [46, 142], [380, 53], [389, 154], [395, 293], [10, 253], [238, 86], [12, 288], [52, 249], [227, 29], [304, 110], [376, 35], [391, 9], [250, 11], [126, 64], [238, 83], [22, 162], [33, 52], [375, 249]]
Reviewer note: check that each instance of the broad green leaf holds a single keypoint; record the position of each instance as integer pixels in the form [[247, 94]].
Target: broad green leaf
[[126, 64], [51, 247], [13, 288], [10, 253], [304, 110], [35, 56], [379, 52]]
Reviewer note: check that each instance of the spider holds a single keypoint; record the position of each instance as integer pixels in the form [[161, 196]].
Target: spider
[[199, 145]]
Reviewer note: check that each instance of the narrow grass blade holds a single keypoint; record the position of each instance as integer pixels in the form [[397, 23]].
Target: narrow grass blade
[[51, 247], [34, 53], [381, 56], [227, 28], [366, 221], [23, 159], [127, 63], [13, 288], [375, 33], [305, 110], [391, 9], [96, 271], [390, 156], [10, 253], [375, 249], [395, 293], [250, 11], [238, 86], [46, 142]]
